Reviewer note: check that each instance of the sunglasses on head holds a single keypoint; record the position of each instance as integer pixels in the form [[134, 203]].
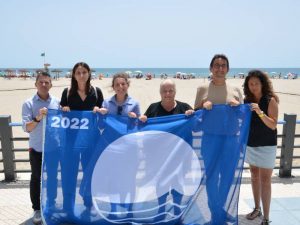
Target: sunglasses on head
[[120, 109]]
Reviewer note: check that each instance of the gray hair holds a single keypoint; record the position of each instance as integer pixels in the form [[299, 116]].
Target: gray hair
[[167, 81]]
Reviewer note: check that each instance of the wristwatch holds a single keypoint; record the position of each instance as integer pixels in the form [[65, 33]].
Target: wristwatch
[[35, 120]]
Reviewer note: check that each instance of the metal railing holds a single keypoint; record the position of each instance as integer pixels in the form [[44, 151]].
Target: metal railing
[[9, 160]]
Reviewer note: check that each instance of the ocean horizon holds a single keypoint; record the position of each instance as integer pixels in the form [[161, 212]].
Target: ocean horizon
[[197, 72]]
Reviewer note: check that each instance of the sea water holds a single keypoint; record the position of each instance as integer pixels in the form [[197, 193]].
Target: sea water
[[197, 72]]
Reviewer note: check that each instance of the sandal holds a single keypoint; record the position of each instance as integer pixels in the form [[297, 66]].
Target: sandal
[[265, 222], [255, 213]]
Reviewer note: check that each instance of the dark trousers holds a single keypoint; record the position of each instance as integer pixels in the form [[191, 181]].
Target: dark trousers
[[35, 180]]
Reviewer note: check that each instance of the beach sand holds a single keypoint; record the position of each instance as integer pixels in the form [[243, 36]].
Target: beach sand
[[15, 91]]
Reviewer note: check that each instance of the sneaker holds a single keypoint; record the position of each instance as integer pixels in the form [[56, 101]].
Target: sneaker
[[37, 219]]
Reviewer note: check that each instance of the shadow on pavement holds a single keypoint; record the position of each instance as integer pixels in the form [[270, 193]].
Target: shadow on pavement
[[14, 184], [244, 221], [276, 180], [27, 222]]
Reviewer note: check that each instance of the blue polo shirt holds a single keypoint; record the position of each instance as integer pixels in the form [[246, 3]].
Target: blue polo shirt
[[130, 105], [30, 110]]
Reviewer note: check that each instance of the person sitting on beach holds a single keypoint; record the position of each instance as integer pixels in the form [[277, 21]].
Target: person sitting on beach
[[217, 91], [81, 96], [262, 141], [33, 111], [166, 107]]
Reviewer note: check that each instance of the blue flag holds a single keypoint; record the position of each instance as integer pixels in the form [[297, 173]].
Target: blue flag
[[170, 170]]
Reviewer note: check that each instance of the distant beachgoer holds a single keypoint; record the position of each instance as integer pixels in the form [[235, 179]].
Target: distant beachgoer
[[262, 141], [167, 106], [80, 96], [33, 111], [217, 91]]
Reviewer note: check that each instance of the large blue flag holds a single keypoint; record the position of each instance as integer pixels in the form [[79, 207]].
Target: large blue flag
[[170, 170]]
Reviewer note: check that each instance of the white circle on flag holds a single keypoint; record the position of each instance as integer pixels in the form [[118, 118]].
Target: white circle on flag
[[143, 166]]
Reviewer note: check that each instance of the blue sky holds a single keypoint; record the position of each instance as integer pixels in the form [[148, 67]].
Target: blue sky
[[153, 33]]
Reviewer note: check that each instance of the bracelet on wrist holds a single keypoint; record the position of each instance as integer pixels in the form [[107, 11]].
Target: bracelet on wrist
[[261, 115]]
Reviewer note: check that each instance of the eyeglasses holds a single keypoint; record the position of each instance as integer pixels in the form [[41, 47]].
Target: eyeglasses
[[217, 66], [119, 110]]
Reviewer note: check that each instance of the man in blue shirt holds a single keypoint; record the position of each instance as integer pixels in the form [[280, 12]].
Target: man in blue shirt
[[33, 111]]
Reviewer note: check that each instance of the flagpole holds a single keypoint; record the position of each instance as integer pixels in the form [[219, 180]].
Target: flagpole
[[44, 56]]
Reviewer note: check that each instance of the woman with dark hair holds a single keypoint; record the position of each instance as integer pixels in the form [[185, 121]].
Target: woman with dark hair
[[262, 141], [219, 91], [81, 96]]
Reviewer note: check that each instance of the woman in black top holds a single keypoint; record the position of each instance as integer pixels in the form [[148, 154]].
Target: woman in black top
[[81, 96], [262, 141]]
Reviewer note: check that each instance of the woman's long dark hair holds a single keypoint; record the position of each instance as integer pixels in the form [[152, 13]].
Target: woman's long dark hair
[[74, 84], [267, 87]]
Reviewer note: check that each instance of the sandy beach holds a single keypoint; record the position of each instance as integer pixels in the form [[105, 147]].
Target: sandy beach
[[13, 93]]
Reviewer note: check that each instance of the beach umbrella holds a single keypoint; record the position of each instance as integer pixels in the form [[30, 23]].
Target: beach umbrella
[[93, 74], [138, 71], [273, 74], [68, 74], [39, 71], [241, 75], [9, 73], [24, 73], [57, 72], [128, 72]]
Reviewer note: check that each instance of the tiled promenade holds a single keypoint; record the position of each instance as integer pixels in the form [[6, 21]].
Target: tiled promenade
[[15, 206]]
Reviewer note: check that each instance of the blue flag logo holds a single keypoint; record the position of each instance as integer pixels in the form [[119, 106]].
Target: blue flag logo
[[170, 170]]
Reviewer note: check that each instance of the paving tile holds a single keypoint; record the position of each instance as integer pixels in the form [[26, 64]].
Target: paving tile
[[15, 205]]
